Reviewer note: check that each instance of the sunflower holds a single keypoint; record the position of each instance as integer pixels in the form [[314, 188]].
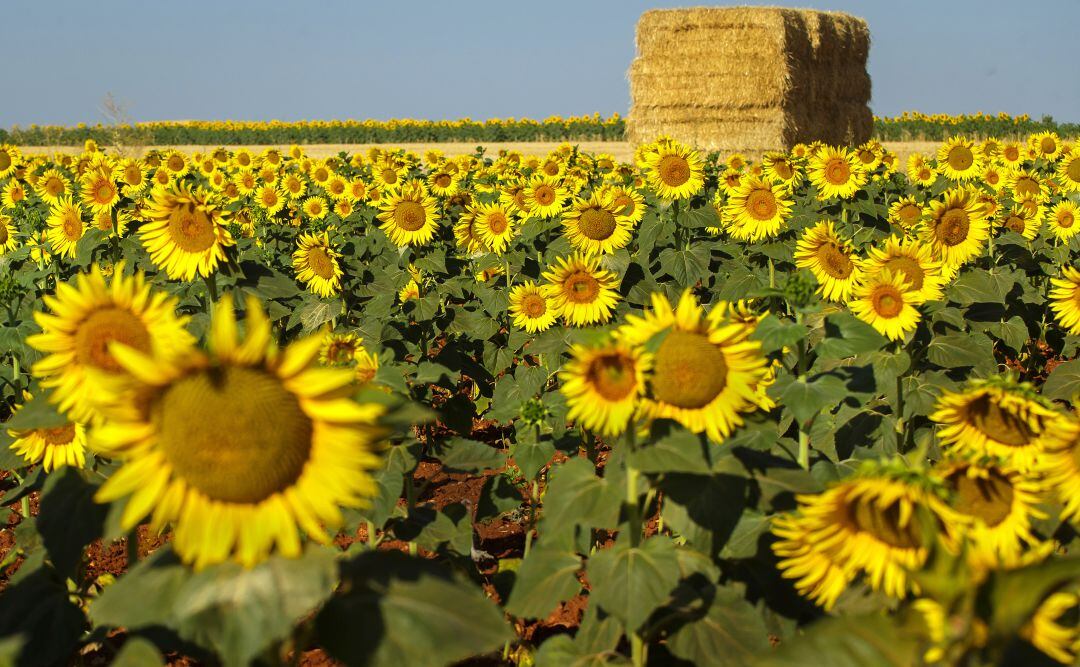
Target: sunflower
[[494, 225], [531, 307], [1027, 184], [408, 215], [1025, 221], [756, 210], [388, 172], [993, 177], [53, 447], [886, 301], [595, 225], [177, 163], [10, 158], [831, 260], [113, 223], [914, 260], [705, 371], [997, 417], [602, 385], [65, 226], [1060, 465], [293, 186], [14, 192], [1011, 153], [1065, 299], [905, 213], [337, 187], [1068, 172], [674, 171], [1050, 632], [959, 160], [269, 200], [339, 349], [956, 226], [99, 190], [580, 291], [443, 183], [925, 176], [237, 447], [52, 185], [185, 233], [782, 170], [835, 172], [991, 506], [316, 264], [868, 525], [1047, 145], [729, 181], [628, 202], [87, 315], [7, 235], [1064, 219], [543, 199], [467, 235], [316, 207]]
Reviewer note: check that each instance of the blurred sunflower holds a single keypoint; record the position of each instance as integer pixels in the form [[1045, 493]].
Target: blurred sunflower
[[87, 315], [595, 226], [339, 349], [871, 525], [602, 385], [1060, 465], [831, 260], [1053, 628], [53, 447], [316, 264], [466, 235], [1027, 184], [530, 308], [14, 192], [409, 215], [247, 439], [185, 232], [8, 242], [10, 158], [996, 417], [705, 372], [580, 291]]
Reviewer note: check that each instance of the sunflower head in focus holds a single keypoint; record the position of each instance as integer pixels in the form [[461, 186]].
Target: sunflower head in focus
[[185, 233], [408, 215], [596, 226], [1064, 299], [580, 291], [1068, 172], [53, 447], [956, 227], [831, 259], [66, 226], [674, 171], [905, 213], [495, 225], [1047, 145], [871, 525], [959, 159], [52, 185], [8, 242], [757, 209], [602, 385], [87, 316], [836, 172], [628, 203], [1064, 219], [886, 301], [997, 417], [531, 308], [316, 264], [543, 199], [914, 260], [10, 159], [239, 448], [705, 371]]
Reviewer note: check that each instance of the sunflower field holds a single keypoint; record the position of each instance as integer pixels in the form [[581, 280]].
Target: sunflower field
[[396, 409]]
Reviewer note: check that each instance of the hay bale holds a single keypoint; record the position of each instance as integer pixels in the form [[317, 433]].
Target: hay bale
[[750, 79]]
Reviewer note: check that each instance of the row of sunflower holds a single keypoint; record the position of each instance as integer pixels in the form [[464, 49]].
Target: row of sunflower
[[405, 130], [914, 125], [814, 393]]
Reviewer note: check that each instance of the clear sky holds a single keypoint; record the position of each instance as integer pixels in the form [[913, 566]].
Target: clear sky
[[262, 60]]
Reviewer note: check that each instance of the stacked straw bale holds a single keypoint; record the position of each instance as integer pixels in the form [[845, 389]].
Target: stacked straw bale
[[750, 79]]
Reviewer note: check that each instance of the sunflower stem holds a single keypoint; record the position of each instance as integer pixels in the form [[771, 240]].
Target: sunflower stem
[[534, 497], [633, 509], [772, 274], [24, 504], [133, 548], [638, 651], [211, 287]]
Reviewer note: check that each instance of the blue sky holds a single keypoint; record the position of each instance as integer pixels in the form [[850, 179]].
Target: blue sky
[[243, 59]]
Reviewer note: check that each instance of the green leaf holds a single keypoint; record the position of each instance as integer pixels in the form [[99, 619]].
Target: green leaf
[[732, 633], [545, 578], [806, 399], [1063, 383], [471, 456], [704, 509], [37, 413], [676, 451], [975, 287], [39, 610], [577, 496], [847, 336], [1010, 597], [69, 519], [775, 333], [531, 455], [400, 612], [685, 266], [850, 641], [960, 350], [316, 314], [234, 611], [138, 652], [631, 582]]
